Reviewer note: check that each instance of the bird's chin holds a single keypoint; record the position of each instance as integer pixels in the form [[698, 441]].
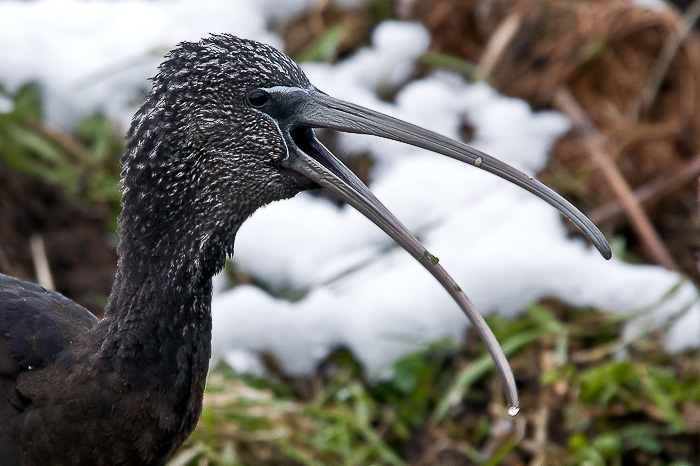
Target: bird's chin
[[300, 180]]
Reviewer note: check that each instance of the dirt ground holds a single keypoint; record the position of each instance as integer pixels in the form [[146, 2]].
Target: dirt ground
[[80, 254]]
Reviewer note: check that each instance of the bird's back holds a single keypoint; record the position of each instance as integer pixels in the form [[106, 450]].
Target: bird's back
[[36, 325]]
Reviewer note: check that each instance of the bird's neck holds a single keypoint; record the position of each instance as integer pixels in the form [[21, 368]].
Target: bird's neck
[[156, 307], [160, 305], [155, 339], [157, 328]]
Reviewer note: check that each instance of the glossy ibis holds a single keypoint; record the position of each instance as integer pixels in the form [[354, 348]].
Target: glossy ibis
[[226, 129]]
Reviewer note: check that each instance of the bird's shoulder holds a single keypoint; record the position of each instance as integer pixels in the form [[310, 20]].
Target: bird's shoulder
[[36, 324]]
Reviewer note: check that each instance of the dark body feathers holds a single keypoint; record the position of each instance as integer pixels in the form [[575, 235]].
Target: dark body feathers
[[67, 400], [36, 326]]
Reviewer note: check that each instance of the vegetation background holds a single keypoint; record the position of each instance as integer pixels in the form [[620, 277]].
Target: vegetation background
[[629, 80]]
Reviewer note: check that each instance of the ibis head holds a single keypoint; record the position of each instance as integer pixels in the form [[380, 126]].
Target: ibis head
[[229, 127]]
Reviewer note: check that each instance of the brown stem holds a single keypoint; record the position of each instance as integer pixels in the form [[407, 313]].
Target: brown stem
[[595, 144], [661, 185]]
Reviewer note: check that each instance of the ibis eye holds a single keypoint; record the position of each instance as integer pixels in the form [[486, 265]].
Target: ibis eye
[[258, 98]]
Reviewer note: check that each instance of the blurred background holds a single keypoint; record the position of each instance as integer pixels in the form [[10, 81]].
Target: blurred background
[[340, 349]]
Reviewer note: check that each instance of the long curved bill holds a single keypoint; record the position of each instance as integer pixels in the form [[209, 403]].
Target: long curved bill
[[298, 110]]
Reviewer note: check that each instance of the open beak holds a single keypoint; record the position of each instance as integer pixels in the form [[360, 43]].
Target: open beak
[[297, 111]]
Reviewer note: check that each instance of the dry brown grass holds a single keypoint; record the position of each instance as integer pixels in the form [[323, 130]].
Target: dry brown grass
[[604, 52]]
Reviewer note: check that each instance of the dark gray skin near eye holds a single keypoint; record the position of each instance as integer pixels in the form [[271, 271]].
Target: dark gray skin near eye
[[227, 128]]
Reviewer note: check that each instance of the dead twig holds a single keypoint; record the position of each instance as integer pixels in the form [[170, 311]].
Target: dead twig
[[669, 50], [663, 184], [498, 43], [41, 261], [595, 143], [540, 418]]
